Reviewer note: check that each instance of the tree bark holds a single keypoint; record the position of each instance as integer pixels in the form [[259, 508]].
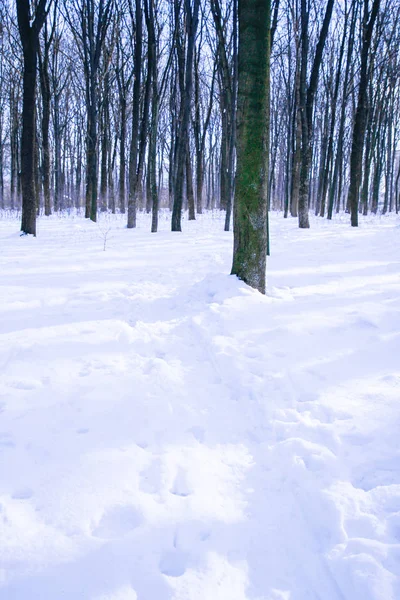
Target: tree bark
[[307, 96], [46, 99], [192, 14], [29, 34], [251, 191], [361, 114]]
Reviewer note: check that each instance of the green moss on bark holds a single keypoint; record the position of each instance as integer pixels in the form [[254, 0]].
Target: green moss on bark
[[250, 211]]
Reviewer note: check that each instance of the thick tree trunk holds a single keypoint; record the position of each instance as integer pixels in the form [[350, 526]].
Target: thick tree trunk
[[28, 224], [29, 34], [251, 192]]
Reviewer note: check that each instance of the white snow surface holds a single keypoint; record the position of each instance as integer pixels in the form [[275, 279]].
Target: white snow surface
[[166, 432]]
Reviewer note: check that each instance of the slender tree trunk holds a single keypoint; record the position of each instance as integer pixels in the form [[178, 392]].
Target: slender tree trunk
[[296, 147], [360, 114], [189, 185], [105, 142], [133, 154], [192, 21], [2, 203], [307, 96], [233, 108], [46, 98], [367, 171], [122, 156]]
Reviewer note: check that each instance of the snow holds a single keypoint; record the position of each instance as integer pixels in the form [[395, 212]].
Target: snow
[[167, 432]]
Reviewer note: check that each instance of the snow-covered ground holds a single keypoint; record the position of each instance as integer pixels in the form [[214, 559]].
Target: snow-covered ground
[[168, 433]]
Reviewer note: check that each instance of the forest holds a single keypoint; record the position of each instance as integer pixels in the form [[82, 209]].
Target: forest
[[199, 299], [132, 107]]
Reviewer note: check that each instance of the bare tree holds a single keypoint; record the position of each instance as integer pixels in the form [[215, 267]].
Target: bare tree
[[30, 22]]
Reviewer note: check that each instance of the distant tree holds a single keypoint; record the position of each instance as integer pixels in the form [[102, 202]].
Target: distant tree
[[306, 101], [89, 21], [45, 89], [124, 75], [185, 60], [136, 151], [251, 190], [140, 97], [360, 120], [226, 62]]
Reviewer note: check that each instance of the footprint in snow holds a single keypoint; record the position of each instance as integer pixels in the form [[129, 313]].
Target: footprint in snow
[[198, 433], [6, 441], [117, 521], [181, 485], [152, 478], [173, 563], [308, 397], [252, 352], [24, 493], [82, 430], [25, 384], [143, 444], [393, 526]]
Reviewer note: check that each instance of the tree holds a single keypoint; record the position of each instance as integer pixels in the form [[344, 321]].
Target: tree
[[306, 102], [251, 191], [30, 22], [45, 88], [89, 21], [227, 75], [191, 14], [137, 27], [361, 112], [149, 87]]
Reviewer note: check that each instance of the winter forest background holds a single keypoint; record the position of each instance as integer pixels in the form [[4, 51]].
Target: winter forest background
[[115, 77], [168, 432]]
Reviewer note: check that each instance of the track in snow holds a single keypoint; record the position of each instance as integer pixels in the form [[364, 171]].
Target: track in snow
[[166, 432]]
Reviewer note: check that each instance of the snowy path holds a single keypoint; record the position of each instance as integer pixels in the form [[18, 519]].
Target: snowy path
[[168, 433]]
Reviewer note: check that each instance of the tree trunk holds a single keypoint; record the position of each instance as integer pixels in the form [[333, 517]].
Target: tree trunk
[[251, 192], [29, 34], [307, 96], [122, 156], [133, 154], [189, 185], [186, 98], [360, 114], [28, 224], [46, 98]]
